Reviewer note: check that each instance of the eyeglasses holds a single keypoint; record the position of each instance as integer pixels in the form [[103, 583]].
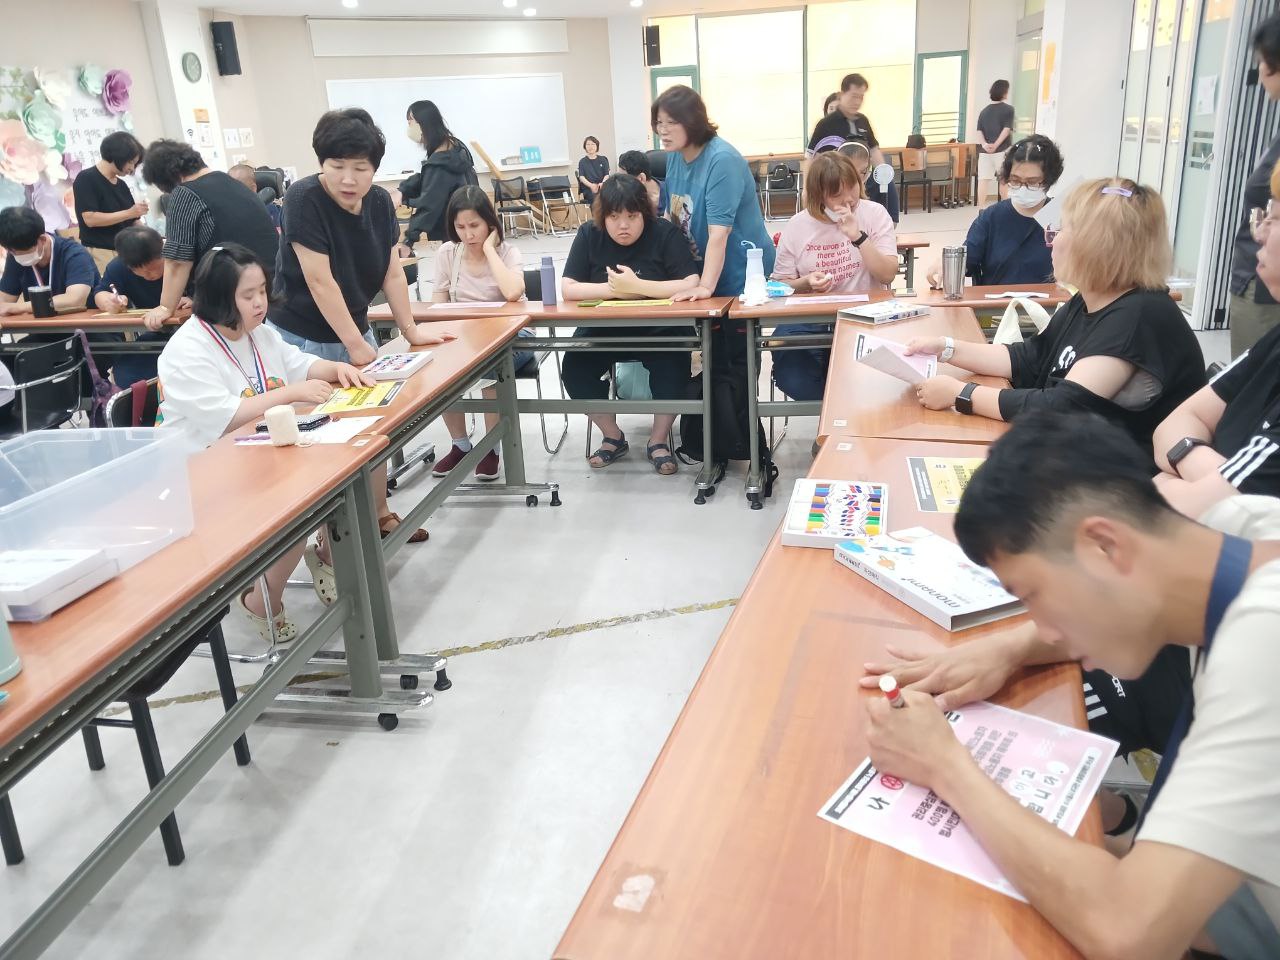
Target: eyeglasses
[[1016, 182], [1260, 221], [662, 125]]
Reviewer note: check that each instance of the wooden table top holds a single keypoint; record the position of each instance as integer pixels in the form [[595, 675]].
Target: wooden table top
[[864, 402], [585, 316], [479, 340], [241, 496], [727, 822], [977, 297], [90, 321], [806, 305], [912, 241]]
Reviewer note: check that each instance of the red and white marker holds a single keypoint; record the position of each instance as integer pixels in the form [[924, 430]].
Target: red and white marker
[[889, 687]]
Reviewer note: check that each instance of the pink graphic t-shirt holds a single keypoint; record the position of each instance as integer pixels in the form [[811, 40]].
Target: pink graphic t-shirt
[[807, 244]]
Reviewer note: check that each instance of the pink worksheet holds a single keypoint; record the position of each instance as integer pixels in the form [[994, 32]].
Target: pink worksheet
[[1050, 769]]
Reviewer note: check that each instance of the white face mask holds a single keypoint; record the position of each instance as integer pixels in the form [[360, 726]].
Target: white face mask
[[1028, 196], [415, 133], [29, 259], [835, 216]]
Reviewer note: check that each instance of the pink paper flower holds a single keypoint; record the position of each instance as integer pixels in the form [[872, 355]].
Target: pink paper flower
[[71, 165], [115, 90], [21, 159], [49, 202]]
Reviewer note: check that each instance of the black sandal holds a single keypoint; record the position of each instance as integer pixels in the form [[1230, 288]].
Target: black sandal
[[606, 457], [659, 463]]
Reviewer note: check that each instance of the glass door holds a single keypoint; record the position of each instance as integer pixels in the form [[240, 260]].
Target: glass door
[[1155, 126], [1135, 91], [1026, 85], [942, 80]]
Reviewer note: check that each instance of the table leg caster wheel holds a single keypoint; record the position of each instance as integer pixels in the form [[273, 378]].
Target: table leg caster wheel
[[442, 680], [388, 721], [555, 497], [756, 502], [392, 484], [430, 457], [408, 681], [701, 498], [531, 500]]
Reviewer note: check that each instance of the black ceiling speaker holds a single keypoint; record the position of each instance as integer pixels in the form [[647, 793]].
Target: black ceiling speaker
[[652, 53], [224, 48]]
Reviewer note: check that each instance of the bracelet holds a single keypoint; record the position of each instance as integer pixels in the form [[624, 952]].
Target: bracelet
[[948, 349]]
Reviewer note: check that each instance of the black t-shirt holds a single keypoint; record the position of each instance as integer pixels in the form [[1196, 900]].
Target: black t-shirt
[[838, 125], [1143, 327], [661, 253], [96, 193], [594, 170], [142, 294], [994, 118], [1244, 253], [1248, 434], [358, 246]]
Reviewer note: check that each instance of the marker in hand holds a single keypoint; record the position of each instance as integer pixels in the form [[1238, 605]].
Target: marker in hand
[[889, 687], [122, 301]]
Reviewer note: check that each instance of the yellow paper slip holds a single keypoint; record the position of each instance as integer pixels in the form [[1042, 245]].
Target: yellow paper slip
[[635, 303], [123, 313], [939, 482], [347, 399]]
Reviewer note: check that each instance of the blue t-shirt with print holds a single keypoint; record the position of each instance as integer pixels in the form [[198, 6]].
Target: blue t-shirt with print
[[70, 264], [717, 189]]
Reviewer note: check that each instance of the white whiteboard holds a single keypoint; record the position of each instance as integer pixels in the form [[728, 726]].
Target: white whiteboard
[[502, 113]]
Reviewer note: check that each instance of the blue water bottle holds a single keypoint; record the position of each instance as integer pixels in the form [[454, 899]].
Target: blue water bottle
[[548, 282], [10, 665]]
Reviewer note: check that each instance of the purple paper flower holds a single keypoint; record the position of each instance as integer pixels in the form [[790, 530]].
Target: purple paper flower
[[50, 202], [115, 90], [71, 165]]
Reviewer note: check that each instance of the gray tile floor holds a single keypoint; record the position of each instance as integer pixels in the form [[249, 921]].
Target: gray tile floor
[[471, 832]]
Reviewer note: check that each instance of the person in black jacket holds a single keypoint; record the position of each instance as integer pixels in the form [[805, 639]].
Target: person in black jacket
[[448, 166]]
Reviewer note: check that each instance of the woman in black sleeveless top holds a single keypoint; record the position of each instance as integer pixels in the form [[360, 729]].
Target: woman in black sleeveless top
[[206, 208]]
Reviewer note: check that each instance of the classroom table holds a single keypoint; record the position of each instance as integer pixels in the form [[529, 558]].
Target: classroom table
[[700, 315], [988, 297], [908, 244], [90, 321], [863, 402], [251, 504], [726, 826]]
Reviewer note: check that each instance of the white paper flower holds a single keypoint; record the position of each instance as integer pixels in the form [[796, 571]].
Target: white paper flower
[[54, 171], [56, 87]]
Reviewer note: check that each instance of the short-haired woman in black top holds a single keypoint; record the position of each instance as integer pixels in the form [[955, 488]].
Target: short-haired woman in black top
[[592, 170], [1120, 347], [104, 203], [626, 253], [206, 208]]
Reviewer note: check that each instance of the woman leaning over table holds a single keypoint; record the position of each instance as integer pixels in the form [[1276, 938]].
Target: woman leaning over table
[[1120, 347], [336, 252]]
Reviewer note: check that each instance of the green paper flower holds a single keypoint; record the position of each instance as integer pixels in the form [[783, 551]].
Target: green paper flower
[[44, 123], [91, 77]]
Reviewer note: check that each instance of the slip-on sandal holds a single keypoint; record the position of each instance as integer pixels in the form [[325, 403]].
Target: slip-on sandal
[[323, 577], [606, 457], [390, 521], [660, 463], [286, 632]]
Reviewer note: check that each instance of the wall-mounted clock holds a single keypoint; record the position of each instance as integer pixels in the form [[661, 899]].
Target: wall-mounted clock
[[191, 67]]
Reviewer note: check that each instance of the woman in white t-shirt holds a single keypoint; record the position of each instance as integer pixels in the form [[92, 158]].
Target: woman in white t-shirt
[[223, 369], [477, 264], [840, 243]]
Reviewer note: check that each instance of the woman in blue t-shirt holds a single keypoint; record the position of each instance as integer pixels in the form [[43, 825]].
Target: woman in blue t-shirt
[[712, 194], [1006, 245]]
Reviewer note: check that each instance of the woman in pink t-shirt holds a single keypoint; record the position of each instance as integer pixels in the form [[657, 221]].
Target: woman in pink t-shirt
[[476, 264], [840, 243]]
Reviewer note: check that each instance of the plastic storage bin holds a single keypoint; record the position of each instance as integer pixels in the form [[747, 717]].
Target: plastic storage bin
[[124, 491]]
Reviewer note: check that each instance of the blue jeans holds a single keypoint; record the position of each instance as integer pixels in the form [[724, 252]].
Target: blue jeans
[[336, 352], [802, 374]]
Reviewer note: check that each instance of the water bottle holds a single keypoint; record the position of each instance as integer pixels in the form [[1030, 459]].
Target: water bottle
[[953, 267], [754, 291], [548, 282], [10, 665]]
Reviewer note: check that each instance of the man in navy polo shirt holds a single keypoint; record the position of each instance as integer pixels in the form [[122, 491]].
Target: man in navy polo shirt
[[38, 258]]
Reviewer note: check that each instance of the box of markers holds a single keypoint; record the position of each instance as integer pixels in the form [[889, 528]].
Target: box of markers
[[823, 513]]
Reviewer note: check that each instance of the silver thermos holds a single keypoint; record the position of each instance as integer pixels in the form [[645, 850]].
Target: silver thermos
[[953, 264]]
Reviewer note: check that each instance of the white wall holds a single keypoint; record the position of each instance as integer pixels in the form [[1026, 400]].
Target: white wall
[[942, 25], [630, 82], [1090, 40], [992, 51]]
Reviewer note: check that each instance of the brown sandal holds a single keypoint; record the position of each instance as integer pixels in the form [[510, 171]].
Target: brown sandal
[[390, 521]]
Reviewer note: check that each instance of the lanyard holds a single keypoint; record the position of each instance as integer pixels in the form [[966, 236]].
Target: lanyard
[[1228, 580], [257, 358], [36, 270]]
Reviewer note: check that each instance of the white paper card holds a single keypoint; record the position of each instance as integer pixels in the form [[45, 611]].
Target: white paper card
[[340, 430], [832, 298], [891, 357], [468, 305], [1011, 294]]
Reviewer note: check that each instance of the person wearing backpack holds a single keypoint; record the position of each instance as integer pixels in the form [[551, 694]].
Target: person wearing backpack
[[627, 253], [447, 166]]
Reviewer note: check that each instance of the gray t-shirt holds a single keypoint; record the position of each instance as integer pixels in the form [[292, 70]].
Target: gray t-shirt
[[994, 118], [1221, 795]]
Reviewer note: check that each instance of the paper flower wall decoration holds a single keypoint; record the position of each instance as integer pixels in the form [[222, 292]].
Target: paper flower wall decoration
[[71, 165], [44, 123], [21, 159], [115, 91], [53, 168], [91, 77], [12, 194], [48, 201], [55, 87]]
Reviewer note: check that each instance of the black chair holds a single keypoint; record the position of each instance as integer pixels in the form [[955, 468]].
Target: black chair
[[49, 384], [533, 371], [782, 179], [511, 200], [559, 189], [272, 179], [136, 406], [657, 164]]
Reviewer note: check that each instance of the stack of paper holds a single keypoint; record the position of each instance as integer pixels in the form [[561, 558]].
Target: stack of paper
[[36, 583], [890, 357]]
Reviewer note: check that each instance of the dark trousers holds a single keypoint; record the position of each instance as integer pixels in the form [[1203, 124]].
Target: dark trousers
[[582, 369], [802, 374]]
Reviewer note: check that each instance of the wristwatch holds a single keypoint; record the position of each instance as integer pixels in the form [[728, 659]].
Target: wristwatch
[[1180, 450], [862, 238], [948, 350], [964, 401]]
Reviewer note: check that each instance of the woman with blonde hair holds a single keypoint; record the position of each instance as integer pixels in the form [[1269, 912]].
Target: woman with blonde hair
[[841, 242], [1120, 347]]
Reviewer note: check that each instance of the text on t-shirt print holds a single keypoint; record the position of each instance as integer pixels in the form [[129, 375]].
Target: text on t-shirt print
[[681, 207], [841, 260], [1065, 359]]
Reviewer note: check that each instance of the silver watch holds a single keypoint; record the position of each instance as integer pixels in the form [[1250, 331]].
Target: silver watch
[[948, 349]]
